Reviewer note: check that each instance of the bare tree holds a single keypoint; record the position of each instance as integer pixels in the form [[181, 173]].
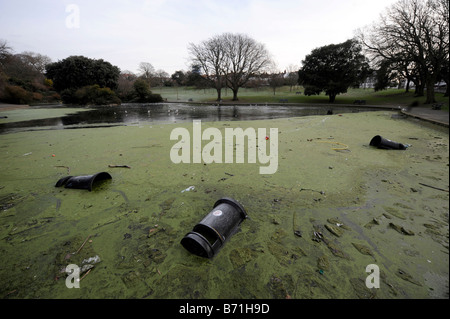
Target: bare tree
[[35, 60], [413, 33], [20, 66], [230, 59], [210, 56], [292, 75], [244, 58], [146, 71], [125, 83], [276, 80], [5, 51], [160, 76]]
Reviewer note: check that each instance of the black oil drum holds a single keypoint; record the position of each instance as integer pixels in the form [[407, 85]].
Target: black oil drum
[[211, 233], [83, 181], [384, 143]]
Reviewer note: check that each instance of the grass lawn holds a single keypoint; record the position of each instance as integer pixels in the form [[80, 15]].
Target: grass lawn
[[266, 95]]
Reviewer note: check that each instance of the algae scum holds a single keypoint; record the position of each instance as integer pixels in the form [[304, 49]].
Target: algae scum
[[314, 226]]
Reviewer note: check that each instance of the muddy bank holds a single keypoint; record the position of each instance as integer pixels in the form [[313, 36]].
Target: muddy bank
[[368, 206], [9, 107]]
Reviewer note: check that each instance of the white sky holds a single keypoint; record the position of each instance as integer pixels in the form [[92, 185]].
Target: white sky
[[127, 32]]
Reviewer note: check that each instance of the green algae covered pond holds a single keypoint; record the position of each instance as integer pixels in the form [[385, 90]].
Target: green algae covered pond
[[370, 206]]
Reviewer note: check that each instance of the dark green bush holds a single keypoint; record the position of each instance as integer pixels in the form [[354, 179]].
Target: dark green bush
[[91, 94], [68, 96], [143, 93], [153, 98]]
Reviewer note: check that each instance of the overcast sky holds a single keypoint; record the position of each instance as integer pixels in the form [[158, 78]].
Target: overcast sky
[[127, 32]]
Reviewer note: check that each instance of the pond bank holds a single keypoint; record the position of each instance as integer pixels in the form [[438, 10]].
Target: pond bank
[[438, 117], [388, 214]]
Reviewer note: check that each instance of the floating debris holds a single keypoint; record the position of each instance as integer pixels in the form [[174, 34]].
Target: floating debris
[[401, 229], [363, 249], [335, 250], [323, 263], [337, 231], [344, 148], [91, 260], [190, 188], [85, 268], [338, 223], [407, 277], [395, 212], [119, 166], [317, 236], [434, 187], [154, 230], [312, 190], [375, 221]]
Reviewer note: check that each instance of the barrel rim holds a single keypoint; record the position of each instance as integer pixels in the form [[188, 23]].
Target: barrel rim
[[234, 203], [202, 242]]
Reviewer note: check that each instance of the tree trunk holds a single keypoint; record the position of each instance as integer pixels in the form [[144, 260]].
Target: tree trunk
[[219, 94], [419, 89], [235, 92], [430, 91], [420, 83], [332, 97], [407, 86]]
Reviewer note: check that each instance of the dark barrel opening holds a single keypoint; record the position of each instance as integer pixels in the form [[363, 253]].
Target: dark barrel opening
[[375, 141], [198, 245], [210, 235]]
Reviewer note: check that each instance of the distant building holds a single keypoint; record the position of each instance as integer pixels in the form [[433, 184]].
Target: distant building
[[369, 82]]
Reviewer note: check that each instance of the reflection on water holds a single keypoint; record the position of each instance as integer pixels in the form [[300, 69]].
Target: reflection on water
[[131, 114]]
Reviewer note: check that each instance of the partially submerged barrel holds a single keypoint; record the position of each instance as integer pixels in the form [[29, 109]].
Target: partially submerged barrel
[[211, 233], [82, 181], [384, 143]]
